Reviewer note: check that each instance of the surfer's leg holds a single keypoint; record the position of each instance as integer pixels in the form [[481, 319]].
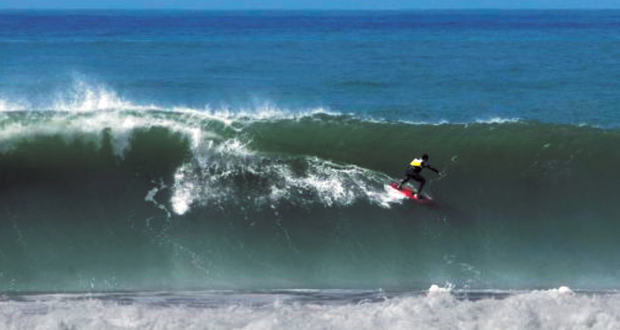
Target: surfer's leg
[[409, 174], [422, 182], [402, 182]]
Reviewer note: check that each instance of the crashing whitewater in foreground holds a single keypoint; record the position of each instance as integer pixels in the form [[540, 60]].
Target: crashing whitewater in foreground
[[436, 308]]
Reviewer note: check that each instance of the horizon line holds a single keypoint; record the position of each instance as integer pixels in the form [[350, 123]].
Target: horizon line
[[309, 9]]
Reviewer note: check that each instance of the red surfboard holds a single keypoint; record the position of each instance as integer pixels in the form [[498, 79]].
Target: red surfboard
[[411, 194]]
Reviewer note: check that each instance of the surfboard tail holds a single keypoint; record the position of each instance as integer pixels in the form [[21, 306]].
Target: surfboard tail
[[411, 193]]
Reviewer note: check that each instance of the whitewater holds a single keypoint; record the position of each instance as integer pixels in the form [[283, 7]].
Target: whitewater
[[436, 308]]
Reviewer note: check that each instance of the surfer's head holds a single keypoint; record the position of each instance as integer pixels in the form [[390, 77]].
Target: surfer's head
[[425, 157]]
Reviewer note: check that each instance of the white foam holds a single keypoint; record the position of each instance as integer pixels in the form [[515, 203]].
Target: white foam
[[393, 196], [184, 190], [498, 120], [435, 289], [85, 97], [536, 310], [6, 106], [321, 181], [332, 183], [150, 197]]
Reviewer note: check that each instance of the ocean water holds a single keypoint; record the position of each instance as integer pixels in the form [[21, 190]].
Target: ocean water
[[227, 170]]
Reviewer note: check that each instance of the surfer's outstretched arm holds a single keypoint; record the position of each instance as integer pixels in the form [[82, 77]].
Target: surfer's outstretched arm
[[432, 169]]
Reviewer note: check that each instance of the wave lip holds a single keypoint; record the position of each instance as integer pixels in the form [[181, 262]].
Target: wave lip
[[85, 95]]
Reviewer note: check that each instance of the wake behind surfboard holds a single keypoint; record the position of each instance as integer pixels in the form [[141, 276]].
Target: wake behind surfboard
[[411, 194]]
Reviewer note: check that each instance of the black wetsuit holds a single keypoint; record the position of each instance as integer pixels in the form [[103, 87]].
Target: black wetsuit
[[413, 172]]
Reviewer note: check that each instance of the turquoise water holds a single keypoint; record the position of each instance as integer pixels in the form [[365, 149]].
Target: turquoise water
[[240, 157]]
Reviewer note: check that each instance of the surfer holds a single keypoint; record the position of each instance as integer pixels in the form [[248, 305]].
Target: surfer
[[413, 172]]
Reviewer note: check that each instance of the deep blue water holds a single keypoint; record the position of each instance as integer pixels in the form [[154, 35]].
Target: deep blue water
[[458, 66]]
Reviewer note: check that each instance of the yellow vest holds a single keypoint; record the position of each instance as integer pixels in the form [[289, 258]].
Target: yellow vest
[[416, 162]]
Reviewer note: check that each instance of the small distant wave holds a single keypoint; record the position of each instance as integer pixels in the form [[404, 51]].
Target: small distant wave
[[499, 120]]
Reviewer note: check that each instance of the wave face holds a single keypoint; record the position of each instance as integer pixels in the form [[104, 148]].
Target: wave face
[[143, 199]]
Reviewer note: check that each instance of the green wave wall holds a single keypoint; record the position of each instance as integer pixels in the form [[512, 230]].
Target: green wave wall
[[297, 203]]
